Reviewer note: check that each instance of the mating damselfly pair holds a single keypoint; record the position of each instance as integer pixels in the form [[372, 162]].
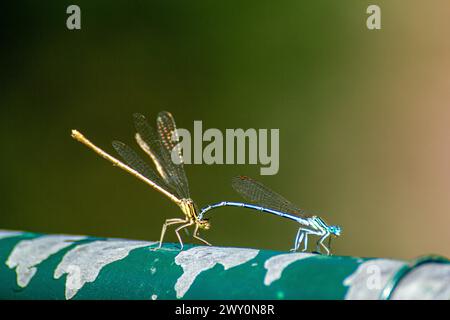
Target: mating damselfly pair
[[162, 146]]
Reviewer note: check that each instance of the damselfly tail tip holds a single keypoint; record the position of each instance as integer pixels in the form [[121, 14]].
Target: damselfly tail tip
[[76, 134]]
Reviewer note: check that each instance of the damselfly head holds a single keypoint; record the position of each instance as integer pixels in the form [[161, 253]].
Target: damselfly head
[[335, 230], [204, 224]]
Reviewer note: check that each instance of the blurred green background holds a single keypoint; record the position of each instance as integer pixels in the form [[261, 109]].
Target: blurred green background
[[363, 115]]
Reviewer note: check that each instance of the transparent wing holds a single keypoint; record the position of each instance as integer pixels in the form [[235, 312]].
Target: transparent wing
[[171, 151], [159, 146], [148, 140], [258, 193], [136, 163]]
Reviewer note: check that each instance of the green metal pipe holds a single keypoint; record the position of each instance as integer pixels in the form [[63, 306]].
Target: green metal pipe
[[37, 266]]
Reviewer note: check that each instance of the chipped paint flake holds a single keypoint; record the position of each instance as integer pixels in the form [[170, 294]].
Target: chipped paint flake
[[430, 281], [199, 259], [83, 263], [367, 282], [275, 265], [27, 254], [8, 234]]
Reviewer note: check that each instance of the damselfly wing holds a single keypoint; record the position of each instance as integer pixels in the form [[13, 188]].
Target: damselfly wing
[[163, 148], [255, 192]]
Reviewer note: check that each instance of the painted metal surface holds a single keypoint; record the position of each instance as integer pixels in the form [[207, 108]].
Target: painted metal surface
[[36, 266]]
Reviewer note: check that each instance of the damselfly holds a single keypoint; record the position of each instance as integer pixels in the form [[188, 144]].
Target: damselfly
[[269, 201], [162, 146]]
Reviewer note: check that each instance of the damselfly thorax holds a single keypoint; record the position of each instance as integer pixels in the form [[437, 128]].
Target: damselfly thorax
[[170, 179], [192, 213]]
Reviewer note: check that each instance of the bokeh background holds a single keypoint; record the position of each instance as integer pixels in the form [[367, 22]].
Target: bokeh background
[[363, 115]]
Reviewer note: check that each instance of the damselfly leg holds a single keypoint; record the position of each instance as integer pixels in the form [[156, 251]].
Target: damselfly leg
[[298, 240], [177, 232], [300, 237], [320, 243], [167, 223], [196, 236]]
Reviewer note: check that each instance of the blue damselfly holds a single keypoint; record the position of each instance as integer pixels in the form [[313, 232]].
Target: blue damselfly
[[271, 202], [160, 145]]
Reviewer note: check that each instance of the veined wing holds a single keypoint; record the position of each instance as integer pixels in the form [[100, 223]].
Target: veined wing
[[170, 149], [159, 146], [258, 193], [148, 140], [136, 163]]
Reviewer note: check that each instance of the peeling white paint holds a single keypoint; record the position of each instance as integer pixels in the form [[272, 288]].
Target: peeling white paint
[[199, 259], [27, 254], [83, 263], [426, 282], [8, 234], [276, 264], [367, 282]]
